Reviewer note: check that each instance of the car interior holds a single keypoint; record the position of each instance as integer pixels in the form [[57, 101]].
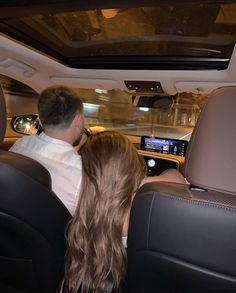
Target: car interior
[[32, 221], [181, 237], [169, 84]]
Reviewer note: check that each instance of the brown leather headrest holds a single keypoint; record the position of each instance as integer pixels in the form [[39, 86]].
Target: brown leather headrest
[[210, 161]]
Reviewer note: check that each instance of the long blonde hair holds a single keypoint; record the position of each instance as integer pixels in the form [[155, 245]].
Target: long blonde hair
[[112, 173]]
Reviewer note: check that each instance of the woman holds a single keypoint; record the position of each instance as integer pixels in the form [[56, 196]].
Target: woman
[[112, 173]]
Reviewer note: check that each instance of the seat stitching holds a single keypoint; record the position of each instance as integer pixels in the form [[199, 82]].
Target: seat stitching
[[199, 202], [149, 219]]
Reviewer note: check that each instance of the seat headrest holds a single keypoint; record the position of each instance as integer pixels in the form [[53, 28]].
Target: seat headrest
[[210, 161], [14, 163]]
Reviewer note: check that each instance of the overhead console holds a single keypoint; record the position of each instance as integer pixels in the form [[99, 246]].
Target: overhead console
[[148, 87]]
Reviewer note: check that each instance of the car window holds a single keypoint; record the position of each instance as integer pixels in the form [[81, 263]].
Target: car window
[[20, 99], [166, 30], [115, 109]]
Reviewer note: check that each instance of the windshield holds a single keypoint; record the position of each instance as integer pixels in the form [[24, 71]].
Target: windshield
[[115, 109]]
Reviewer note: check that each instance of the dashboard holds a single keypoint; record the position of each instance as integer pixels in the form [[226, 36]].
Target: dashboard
[[164, 145], [161, 154]]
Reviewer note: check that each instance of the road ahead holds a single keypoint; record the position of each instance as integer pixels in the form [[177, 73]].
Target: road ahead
[[135, 130], [152, 130]]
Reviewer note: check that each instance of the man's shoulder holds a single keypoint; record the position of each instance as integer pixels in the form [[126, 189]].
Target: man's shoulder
[[24, 141]]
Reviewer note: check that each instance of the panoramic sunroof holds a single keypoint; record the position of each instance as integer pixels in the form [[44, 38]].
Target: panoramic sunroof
[[186, 36]]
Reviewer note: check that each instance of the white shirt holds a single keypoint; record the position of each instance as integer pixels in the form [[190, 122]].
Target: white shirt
[[60, 159]]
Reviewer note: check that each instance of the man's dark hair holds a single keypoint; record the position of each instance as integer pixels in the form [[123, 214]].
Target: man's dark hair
[[58, 105]]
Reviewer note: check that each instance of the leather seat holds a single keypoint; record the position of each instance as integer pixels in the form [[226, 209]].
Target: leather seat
[[182, 237], [32, 227]]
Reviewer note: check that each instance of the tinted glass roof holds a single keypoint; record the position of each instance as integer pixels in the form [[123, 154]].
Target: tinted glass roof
[[164, 36]]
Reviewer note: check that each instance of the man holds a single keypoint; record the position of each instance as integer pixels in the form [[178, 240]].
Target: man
[[61, 116]]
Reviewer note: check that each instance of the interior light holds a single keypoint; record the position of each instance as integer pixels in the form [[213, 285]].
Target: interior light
[[100, 91], [104, 98], [90, 108], [27, 126], [144, 109], [109, 13]]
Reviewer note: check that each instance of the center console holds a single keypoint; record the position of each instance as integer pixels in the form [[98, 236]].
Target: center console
[[161, 154]]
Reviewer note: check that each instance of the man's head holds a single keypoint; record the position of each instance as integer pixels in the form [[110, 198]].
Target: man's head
[[61, 110]]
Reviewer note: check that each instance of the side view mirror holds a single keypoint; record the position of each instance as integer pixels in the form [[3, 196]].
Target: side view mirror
[[26, 124]]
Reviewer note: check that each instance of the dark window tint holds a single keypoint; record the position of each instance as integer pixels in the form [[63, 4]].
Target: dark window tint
[[186, 30]]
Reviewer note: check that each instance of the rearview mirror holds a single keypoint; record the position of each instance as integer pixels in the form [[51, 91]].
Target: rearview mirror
[[25, 124], [156, 102]]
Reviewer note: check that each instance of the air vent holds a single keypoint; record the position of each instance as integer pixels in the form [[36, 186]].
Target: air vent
[[148, 87]]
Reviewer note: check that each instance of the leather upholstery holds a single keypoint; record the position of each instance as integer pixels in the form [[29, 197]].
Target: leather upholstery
[[182, 239], [210, 160], [32, 226]]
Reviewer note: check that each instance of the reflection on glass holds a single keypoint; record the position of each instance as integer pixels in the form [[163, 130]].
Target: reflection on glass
[[169, 30], [25, 124]]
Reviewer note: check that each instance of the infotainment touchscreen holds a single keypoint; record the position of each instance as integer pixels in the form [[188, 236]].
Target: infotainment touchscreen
[[164, 145]]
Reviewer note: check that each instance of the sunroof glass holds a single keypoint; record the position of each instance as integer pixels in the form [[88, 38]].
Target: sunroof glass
[[199, 30]]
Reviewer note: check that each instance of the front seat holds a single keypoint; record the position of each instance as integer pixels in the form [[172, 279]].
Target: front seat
[[182, 238], [32, 226]]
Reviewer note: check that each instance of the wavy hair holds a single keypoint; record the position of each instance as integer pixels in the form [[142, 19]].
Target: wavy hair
[[112, 172]]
